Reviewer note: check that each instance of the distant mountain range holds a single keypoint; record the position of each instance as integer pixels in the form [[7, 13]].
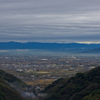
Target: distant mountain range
[[50, 46]]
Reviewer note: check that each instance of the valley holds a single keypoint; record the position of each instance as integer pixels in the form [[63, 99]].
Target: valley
[[43, 70]]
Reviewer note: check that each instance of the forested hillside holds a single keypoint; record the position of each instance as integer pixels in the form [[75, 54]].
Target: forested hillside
[[7, 86], [83, 86]]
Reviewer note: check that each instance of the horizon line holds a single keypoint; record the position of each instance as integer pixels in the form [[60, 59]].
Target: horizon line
[[85, 42]]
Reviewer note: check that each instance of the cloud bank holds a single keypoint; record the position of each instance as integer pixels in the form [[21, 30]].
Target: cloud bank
[[50, 20]]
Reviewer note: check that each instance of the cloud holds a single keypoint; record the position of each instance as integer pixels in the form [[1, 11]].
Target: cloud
[[50, 20]]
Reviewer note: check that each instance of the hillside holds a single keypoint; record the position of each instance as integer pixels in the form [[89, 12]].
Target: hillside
[[8, 83], [7, 93], [12, 79], [83, 86]]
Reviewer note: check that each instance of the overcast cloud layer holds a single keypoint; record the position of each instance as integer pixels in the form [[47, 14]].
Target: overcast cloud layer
[[50, 20]]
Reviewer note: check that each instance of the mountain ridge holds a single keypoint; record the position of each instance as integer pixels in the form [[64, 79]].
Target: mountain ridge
[[47, 46]]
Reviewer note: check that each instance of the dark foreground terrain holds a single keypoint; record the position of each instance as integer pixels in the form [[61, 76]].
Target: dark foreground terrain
[[12, 88], [83, 86]]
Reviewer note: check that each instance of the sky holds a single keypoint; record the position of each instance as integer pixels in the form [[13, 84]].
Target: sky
[[61, 21]]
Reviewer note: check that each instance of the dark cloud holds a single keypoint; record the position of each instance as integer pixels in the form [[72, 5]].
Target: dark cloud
[[50, 20]]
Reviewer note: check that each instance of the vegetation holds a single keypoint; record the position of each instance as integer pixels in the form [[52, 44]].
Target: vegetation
[[11, 79], [8, 81], [83, 86], [7, 93]]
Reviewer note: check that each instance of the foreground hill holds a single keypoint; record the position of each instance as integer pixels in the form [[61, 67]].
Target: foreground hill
[[7, 86], [83, 86], [7, 93]]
